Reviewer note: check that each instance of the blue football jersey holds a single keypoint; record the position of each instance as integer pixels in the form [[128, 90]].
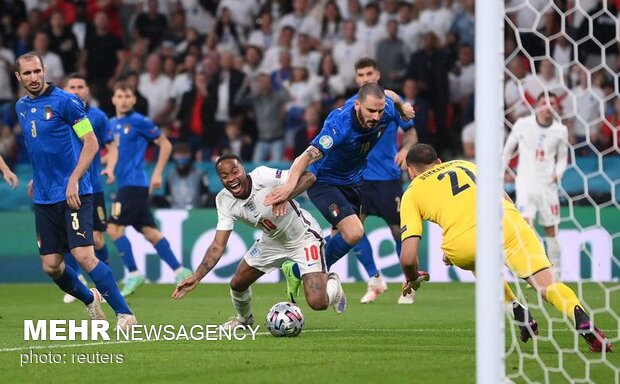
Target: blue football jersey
[[345, 144], [53, 146], [132, 134], [99, 121], [380, 165]]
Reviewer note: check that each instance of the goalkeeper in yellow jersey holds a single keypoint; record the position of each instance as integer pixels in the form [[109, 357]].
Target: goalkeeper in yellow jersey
[[445, 193]]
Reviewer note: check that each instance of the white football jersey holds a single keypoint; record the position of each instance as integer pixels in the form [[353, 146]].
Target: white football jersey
[[288, 229], [543, 152]]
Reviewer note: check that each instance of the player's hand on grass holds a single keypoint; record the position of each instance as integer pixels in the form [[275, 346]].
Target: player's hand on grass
[[279, 209], [185, 286], [413, 285], [155, 182], [73, 194], [10, 178], [109, 174], [279, 195]]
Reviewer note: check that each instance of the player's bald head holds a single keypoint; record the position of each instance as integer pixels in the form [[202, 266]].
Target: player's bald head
[[422, 156], [370, 89]]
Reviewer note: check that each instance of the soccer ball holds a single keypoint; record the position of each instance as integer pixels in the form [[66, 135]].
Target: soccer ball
[[285, 320]]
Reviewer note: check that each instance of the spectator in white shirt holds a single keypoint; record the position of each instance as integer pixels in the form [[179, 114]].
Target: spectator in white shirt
[[347, 51], [437, 19], [156, 88], [52, 62], [265, 36], [370, 30], [410, 29]]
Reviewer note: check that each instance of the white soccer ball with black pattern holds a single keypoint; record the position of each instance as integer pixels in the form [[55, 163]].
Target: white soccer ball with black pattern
[[285, 320]]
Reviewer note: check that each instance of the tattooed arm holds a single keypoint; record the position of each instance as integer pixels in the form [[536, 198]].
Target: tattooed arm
[[285, 192]]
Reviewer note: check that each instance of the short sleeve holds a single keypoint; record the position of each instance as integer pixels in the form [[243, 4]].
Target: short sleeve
[[148, 129], [391, 111], [410, 217], [329, 136], [225, 221]]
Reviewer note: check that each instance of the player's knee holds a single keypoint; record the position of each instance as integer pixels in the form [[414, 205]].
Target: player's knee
[[317, 302], [238, 285], [98, 240], [353, 233], [53, 270], [114, 231]]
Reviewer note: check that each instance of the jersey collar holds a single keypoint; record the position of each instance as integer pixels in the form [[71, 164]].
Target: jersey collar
[[49, 90]]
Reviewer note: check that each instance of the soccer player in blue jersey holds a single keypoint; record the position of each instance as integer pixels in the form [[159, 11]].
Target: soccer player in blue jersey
[[132, 133], [76, 84], [337, 156], [61, 145], [381, 186]]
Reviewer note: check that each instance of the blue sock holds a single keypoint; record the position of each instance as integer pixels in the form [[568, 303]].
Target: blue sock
[[165, 253], [363, 252], [336, 249], [70, 283], [104, 281], [296, 271], [124, 249], [103, 255], [72, 262]]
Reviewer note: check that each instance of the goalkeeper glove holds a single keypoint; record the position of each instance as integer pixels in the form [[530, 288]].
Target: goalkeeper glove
[[413, 285]]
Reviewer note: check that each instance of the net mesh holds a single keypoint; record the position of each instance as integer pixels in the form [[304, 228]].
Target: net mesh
[[570, 48]]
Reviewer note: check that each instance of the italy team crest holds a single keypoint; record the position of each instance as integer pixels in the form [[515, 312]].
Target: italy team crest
[[126, 128], [334, 209], [47, 112]]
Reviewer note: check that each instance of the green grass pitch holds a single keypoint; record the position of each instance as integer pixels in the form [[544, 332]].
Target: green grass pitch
[[431, 341]]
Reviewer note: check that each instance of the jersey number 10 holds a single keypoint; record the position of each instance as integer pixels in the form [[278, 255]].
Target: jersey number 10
[[454, 180]]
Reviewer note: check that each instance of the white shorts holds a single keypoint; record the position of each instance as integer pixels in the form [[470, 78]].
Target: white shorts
[[267, 255], [545, 202]]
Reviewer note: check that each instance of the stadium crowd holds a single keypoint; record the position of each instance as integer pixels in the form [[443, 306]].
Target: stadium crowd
[[258, 77]]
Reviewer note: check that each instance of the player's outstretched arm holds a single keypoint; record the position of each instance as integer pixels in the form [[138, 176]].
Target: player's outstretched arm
[[111, 160], [9, 176], [165, 149], [89, 149], [212, 256], [285, 192]]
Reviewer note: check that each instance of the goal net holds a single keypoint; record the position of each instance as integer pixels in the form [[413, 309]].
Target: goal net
[[570, 48]]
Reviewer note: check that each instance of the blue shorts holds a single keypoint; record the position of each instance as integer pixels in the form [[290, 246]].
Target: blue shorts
[[335, 202], [382, 198], [131, 207], [100, 223], [60, 228]]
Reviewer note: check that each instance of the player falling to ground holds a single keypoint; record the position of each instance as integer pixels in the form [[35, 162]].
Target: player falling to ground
[[542, 145], [76, 84], [337, 156], [293, 236], [61, 145], [445, 193], [132, 133], [10, 178], [381, 187]]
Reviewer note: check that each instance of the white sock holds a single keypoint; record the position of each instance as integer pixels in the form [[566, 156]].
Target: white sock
[[332, 290], [554, 253], [242, 301]]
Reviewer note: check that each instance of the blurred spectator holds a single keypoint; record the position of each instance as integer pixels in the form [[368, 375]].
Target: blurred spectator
[[111, 8], [597, 30], [582, 107], [12, 14], [284, 71], [462, 79], [7, 59], [515, 105], [186, 187], [420, 105], [331, 25], [302, 93], [242, 12], [252, 62], [463, 28], [199, 14], [80, 25], [390, 11], [191, 38], [610, 134], [177, 28], [222, 90], [468, 139], [438, 19], [393, 62], [312, 126], [277, 8], [235, 142], [21, 42], [347, 51], [156, 87], [229, 36], [195, 117], [330, 82], [545, 79], [302, 20], [65, 7], [52, 62], [272, 60], [562, 52], [305, 55], [429, 67], [182, 82], [63, 42], [264, 36], [151, 24], [369, 30], [410, 29], [269, 109]]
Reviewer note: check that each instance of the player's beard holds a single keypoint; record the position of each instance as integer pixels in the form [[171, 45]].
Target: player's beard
[[363, 122], [36, 92]]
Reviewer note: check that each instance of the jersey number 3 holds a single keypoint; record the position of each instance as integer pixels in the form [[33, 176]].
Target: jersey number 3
[[454, 180]]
